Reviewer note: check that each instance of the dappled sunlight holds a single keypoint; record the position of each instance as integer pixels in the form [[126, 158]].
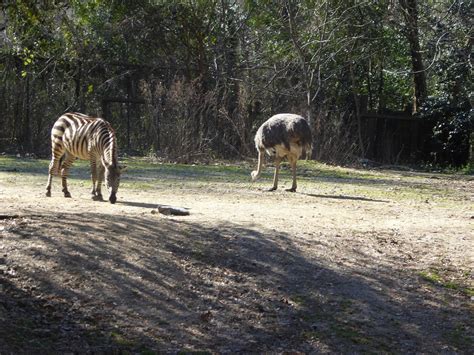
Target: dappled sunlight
[[226, 286], [346, 263]]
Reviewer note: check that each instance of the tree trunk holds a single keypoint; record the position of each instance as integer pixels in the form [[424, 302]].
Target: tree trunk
[[26, 127], [156, 123], [357, 113], [155, 105], [380, 93], [309, 111], [471, 152], [306, 72], [80, 104], [129, 108], [410, 13]]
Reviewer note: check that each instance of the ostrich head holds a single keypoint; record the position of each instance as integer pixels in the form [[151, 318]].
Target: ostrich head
[[255, 175]]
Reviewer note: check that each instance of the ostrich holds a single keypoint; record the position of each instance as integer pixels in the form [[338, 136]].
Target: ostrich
[[283, 135]]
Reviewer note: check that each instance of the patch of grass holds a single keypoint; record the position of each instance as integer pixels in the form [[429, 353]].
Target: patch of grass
[[217, 172], [434, 277], [25, 333], [336, 172], [194, 352], [459, 338], [431, 276], [312, 316], [345, 304], [311, 335], [299, 300], [14, 164], [121, 340], [145, 174], [468, 169], [139, 185], [350, 333]]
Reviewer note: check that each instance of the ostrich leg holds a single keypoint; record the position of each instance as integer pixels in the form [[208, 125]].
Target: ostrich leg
[[293, 171], [275, 177]]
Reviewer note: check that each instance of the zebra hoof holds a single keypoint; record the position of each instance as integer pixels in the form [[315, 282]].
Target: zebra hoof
[[97, 198], [293, 189], [67, 194], [271, 189], [48, 193]]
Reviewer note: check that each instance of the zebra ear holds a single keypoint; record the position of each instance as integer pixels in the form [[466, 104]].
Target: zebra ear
[[122, 168]]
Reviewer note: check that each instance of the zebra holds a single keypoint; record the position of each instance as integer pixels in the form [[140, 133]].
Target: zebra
[[283, 135], [75, 135]]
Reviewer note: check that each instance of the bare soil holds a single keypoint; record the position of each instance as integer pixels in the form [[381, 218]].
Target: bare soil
[[246, 271]]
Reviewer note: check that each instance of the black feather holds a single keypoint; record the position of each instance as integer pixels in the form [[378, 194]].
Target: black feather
[[281, 129]]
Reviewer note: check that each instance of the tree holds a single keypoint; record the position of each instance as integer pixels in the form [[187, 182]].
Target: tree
[[409, 10], [207, 73]]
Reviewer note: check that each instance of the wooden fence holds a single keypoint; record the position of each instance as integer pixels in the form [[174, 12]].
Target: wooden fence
[[393, 138]]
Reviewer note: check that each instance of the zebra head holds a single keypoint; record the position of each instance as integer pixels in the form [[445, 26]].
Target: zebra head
[[112, 180]]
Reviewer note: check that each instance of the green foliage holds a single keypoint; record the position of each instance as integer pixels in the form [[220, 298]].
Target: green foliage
[[452, 124], [245, 61], [436, 278]]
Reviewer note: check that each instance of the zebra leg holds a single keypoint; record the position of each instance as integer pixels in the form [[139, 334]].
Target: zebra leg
[[93, 163], [275, 176], [54, 166], [67, 162], [100, 178]]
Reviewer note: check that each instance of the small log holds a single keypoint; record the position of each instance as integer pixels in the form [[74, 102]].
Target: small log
[[172, 210], [9, 216]]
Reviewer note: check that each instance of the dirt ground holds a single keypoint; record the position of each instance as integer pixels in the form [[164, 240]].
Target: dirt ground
[[321, 270]]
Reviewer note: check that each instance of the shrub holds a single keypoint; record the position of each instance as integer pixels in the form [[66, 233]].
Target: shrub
[[451, 122]]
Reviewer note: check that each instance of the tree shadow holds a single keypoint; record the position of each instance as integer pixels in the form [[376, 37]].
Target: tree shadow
[[344, 197], [395, 182], [41, 321], [138, 284]]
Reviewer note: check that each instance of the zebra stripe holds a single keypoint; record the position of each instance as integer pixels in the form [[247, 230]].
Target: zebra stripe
[[75, 135]]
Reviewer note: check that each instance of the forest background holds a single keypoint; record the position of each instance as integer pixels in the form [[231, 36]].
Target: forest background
[[387, 81]]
